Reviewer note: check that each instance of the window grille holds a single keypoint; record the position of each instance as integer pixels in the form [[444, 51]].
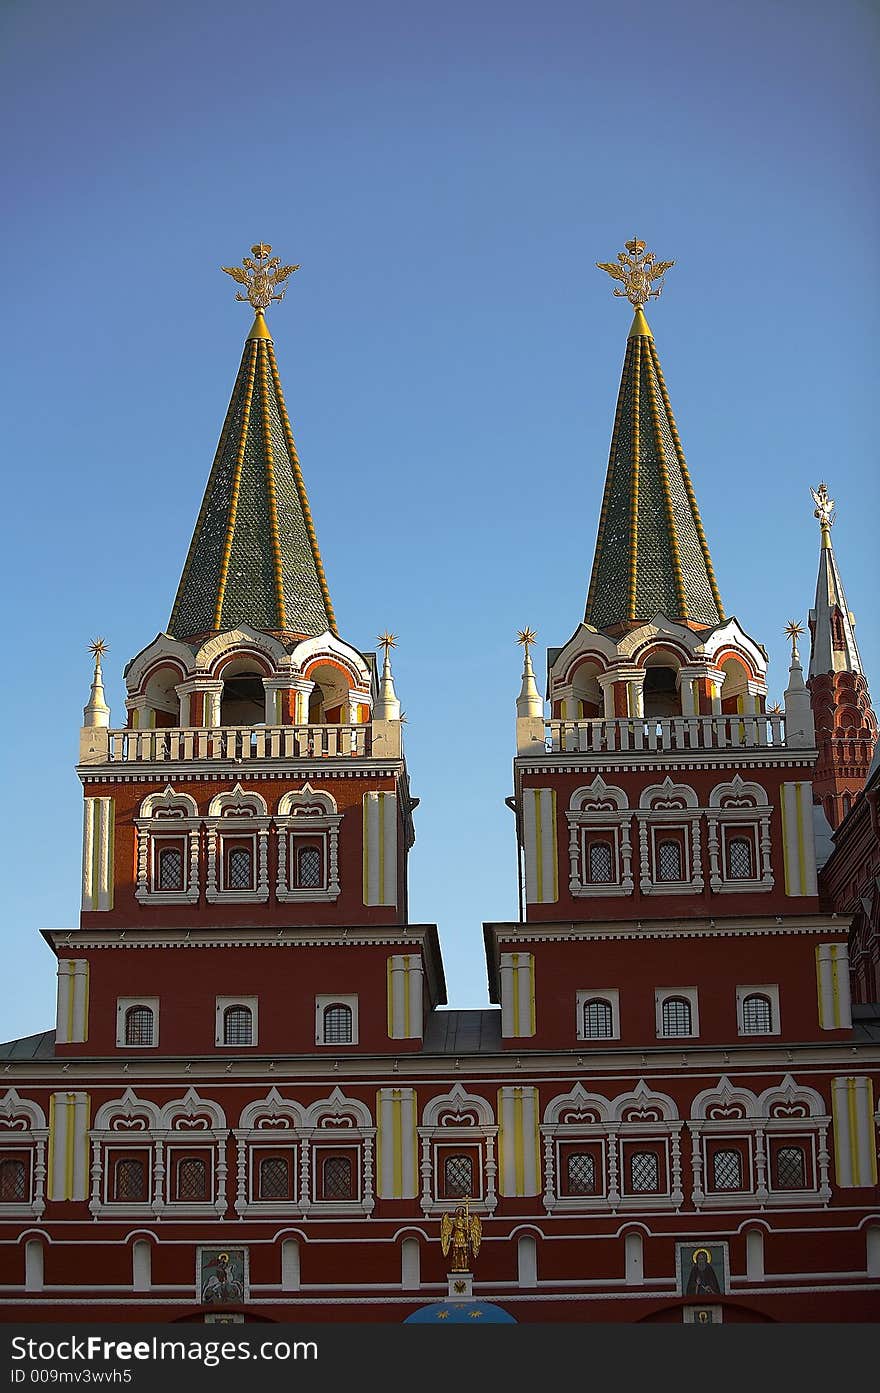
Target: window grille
[[739, 859], [598, 1020], [337, 1025], [274, 1178], [309, 868], [240, 869], [170, 868], [130, 1180], [238, 1026], [727, 1170], [757, 1016], [139, 1025], [338, 1178], [13, 1180], [192, 1179], [581, 1173], [601, 863], [676, 1016], [790, 1169], [644, 1172], [669, 861], [458, 1177]]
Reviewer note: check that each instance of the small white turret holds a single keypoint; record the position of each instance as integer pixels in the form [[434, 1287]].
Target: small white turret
[[388, 706], [529, 705], [800, 730], [97, 712]]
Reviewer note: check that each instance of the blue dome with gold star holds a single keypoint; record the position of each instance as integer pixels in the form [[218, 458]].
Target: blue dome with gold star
[[460, 1313]]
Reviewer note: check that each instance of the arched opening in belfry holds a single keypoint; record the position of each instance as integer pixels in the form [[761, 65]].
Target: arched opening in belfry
[[243, 700], [660, 692], [735, 686], [162, 700], [587, 697], [328, 700]]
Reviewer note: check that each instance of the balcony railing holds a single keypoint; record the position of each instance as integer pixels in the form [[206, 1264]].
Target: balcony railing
[[634, 733], [165, 745]]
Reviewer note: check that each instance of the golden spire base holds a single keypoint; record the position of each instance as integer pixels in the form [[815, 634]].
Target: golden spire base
[[260, 329], [641, 329]]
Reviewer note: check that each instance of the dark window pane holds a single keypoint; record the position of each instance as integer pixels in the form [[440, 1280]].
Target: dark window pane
[[309, 872], [790, 1169], [275, 1178], [337, 1025], [338, 1178], [139, 1025], [669, 861], [598, 1020], [240, 872], [581, 1173], [739, 859], [645, 1172], [727, 1170], [757, 1016], [170, 868], [130, 1180], [601, 863], [13, 1180], [192, 1179], [676, 1016], [238, 1026], [458, 1176]]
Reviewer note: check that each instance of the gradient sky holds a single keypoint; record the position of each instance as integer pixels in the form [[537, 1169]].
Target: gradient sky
[[447, 176]]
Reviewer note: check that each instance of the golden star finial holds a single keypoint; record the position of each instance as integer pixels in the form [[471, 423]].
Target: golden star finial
[[775, 709], [387, 641], [793, 630], [637, 269], [98, 648], [526, 637], [260, 277]]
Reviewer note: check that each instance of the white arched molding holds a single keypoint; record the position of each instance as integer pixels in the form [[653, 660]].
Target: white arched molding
[[169, 817], [725, 1117], [337, 1123], [743, 808], [463, 1121], [665, 809], [640, 1118], [576, 1124], [126, 1126], [238, 817], [796, 1114], [23, 1136], [222, 647], [270, 1126], [191, 1124], [599, 811], [307, 813]]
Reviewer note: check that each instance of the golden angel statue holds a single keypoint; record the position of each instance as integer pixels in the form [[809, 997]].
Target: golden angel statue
[[461, 1232]]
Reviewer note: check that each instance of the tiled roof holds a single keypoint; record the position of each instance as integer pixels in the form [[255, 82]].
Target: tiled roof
[[651, 552], [254, 555], [40, 1046], [463, 1032]]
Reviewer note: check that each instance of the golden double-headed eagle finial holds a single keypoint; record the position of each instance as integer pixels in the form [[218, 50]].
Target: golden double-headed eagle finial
[[824, 509], [261, 277], [637, 269]]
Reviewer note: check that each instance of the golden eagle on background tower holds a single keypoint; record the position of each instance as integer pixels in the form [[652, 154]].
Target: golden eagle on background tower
[[462, 1233], [261, 277], [637, 271]]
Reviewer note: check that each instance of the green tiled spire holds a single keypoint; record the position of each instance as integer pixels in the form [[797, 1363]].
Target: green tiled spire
[[254, 555], [651, 552]]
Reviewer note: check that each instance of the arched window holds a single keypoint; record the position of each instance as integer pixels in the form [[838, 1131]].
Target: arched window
[[13, 1181], [791, 1171], [598, 1020], [644, 1172], [309, 868], [669, 860], [676, 1016], [240, 869], [169, 868], [757, 1015], [601, 864], [274, 1178], [139, 1025], [238, 1026], [740, 865], [192, 1179], [580, 1172], [727, 1170], [337, 1024], [458, 1177], [338, 1178], [129, 1180], [660, 692]]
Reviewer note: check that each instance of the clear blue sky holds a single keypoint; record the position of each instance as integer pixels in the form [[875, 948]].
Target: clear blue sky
[[447, 176]]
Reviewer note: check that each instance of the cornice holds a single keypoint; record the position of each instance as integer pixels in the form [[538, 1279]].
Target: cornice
[[695, 928], [203, 771], [635, 763], [315, 936]]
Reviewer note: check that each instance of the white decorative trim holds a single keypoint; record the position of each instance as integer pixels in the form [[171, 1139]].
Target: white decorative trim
[[23, 1128], [322, 1004], [240, 814], [609, 994], [226, 1003], [307, 811], [123, 1005], [732, 806], [152, 827], [771, 991], [599, 807], [466, 1118], [669, 807], [688, 994]]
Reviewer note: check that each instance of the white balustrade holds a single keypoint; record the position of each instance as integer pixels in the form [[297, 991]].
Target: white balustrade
[[632, 734], [169, 744]]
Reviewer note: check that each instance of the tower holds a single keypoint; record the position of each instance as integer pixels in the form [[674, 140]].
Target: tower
[[846, 727], [257, 796]]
